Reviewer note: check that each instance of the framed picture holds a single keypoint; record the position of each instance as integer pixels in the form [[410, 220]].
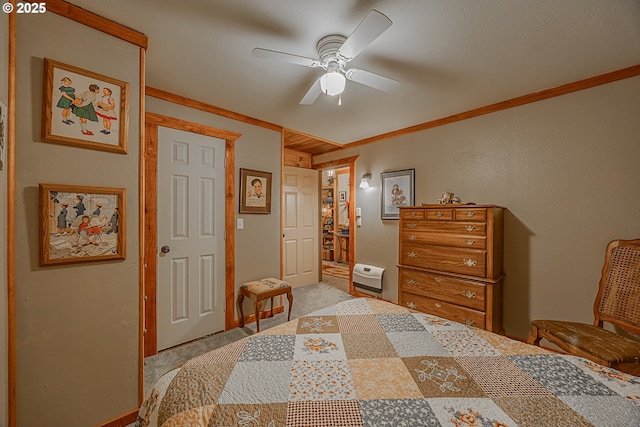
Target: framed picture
[[84, 109], [343, 196], [255, 191], [81, 224], [397, 190], [3, 135]]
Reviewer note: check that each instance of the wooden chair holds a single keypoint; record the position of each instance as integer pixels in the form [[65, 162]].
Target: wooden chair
[[260, 290], [617, 302]]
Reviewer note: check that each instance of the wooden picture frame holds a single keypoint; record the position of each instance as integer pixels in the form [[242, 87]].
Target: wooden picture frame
[[398, 189], [255, 191], [342, 196], [84, 109], [81, 224]]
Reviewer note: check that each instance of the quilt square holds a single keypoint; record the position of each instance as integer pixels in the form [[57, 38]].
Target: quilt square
[[464, 343], [620, 382], [509, 347], [597, 410], [317, 325], [269, 347], [328, 413], [319, 347], [182, 395], [354, 306], [441, 377], [367, 346], [536, 411], [470, 412], [380, 307], [399, 322], [431, 322], [364, 323], [287, 328], [498, 376], [409, 344], [560, 377], [228, 354], [382, 379], [320, 380], [257, 382], [248, 415], [398, 413]]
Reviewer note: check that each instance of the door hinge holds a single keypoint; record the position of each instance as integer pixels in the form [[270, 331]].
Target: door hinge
[[225, 162], [225, 234], [224, 306]]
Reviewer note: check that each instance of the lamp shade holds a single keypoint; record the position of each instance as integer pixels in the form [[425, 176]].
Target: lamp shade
[[332, 83]]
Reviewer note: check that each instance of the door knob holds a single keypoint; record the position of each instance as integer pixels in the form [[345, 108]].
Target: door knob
[[165, 249]]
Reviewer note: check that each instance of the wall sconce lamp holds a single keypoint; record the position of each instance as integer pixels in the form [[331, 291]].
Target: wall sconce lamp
[[364, 182]]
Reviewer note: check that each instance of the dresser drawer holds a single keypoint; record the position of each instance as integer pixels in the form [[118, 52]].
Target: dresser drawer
[[412, 213], [444, 239], [451, 227], [450, 289], [471, 262], [470, 214], [444, 309], [439, 214]]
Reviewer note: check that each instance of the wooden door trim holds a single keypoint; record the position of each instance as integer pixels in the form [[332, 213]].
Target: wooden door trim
[[152, 123], [351, 163]]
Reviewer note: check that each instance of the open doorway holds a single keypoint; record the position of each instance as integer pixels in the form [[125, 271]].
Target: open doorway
[[336, 231]]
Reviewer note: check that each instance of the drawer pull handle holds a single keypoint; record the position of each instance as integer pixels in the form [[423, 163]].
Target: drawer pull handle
[[439, 214], [469, 294], [411, 305], [470, 214], [469, 322], [412, 255], [470, 242], [438, 305], [469, 262], [413, 238], [412, 214], [412, 225], [411, 282], [470, 228], [437, 279]]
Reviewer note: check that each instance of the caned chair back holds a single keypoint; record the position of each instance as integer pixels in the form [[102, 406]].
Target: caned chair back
[[618, 300]]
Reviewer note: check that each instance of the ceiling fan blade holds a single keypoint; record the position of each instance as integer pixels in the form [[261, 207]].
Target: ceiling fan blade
[[373, 80], [284, 57], [374, 24], [312, 94]]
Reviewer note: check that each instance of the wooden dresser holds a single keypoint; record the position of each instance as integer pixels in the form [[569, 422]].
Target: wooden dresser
[[450, 262]]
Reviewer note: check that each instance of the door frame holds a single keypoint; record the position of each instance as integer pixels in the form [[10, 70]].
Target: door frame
[[150, 208], [351, 163]]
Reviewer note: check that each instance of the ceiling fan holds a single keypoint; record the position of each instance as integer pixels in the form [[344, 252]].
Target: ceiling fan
[[334, 52]]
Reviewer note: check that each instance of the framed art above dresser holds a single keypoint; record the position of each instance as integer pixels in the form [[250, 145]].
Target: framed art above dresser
[[450, 262]]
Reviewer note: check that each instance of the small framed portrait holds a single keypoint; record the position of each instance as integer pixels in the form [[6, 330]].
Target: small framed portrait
[[255, 191], [343, 196], [84, 109], [81, 224], [397, 190]]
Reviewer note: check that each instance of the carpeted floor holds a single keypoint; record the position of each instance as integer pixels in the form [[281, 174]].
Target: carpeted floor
[[306, 299]]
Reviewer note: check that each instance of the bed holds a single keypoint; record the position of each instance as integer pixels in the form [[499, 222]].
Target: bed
[[366, 362]]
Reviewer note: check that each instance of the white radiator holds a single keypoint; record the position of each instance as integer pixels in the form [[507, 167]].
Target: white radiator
[[368, 277]]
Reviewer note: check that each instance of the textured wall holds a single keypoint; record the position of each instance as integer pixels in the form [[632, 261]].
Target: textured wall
[[77, 324], [565, 168]]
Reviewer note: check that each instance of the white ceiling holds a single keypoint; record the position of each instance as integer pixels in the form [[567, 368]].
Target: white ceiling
[[450, 55]]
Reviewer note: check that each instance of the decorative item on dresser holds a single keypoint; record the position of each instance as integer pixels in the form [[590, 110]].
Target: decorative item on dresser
[[450, 262]]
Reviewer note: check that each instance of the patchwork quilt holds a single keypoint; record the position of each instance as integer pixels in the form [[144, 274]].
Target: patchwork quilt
[[366, 362]]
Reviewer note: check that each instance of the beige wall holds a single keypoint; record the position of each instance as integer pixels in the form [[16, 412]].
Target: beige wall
[[257, 245], [77, 324], [565, 168], [4, 62]]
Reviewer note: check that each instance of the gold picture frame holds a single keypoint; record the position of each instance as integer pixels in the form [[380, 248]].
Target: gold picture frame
[[255, 191], [81, 224], [84, 109]]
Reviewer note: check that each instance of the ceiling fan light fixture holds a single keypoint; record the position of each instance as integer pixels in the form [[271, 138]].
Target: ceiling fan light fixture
[[332, 83]]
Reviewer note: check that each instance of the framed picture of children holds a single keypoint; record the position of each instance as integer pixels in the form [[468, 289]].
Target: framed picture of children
[[84, 109], [255, 191], [397, 190], [81, 224]]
